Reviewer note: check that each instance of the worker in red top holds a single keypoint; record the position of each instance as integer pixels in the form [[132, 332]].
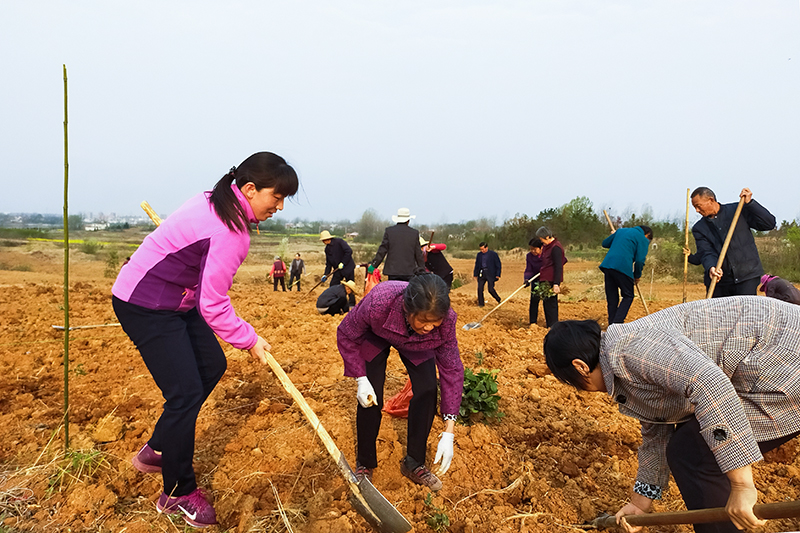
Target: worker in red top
[[435, 261], [551, 272], [278, 272]]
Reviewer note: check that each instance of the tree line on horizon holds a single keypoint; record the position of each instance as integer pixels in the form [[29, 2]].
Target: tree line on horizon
[[577, 224]]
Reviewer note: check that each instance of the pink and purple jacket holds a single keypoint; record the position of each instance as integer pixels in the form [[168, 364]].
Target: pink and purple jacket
[[189, 261], [379, 321]]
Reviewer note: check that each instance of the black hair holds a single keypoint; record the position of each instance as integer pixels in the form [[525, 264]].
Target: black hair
[[647, 232], [705, 192], [568, 340], [264, 170], [482, 244], [544, 232], [428, 294], [535, 243]]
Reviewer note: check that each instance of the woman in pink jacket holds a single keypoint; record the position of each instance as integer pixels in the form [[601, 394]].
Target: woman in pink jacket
[[171, 298]]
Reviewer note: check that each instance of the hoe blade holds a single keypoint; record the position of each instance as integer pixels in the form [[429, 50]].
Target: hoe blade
[[471, 325]]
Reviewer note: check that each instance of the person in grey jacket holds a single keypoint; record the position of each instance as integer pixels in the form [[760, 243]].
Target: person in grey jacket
[[296, 270], [710, 400], [741, 268], [400, 247]]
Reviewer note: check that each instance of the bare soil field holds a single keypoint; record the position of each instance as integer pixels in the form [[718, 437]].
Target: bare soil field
[[556, 459]]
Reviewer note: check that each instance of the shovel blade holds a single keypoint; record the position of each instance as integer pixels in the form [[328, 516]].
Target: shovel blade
[[372, 505], [471, 325]]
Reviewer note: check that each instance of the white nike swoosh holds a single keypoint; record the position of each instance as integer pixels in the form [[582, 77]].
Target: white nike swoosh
[[190, 516]]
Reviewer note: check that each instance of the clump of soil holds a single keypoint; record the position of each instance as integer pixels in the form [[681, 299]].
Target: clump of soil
[[557, 457]]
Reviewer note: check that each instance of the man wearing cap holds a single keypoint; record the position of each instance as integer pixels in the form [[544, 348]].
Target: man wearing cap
[[435, 261], [334, 300], [741, 268], [339, 259], [400, 246]]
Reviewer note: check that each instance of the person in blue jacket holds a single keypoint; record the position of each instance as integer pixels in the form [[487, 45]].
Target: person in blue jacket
[[487, 271], [622, 268]]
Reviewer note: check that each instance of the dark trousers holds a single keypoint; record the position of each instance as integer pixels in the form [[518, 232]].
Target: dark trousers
[[697, 474], [275, 282], [747, 287], [338, 276], [490, 282], [617, 283], [292, 278], [533, 308], [400, 278], [448, 279], [186, 362], [550, 307], [421, 411]]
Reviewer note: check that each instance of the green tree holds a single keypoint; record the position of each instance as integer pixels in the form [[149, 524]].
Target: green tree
[[75, 222]]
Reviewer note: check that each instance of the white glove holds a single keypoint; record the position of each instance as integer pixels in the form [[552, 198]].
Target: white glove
[[365, 394], [444, 452]]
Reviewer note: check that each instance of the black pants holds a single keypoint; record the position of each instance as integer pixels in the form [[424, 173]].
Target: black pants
[[490, 282], [421, 411], [400, 278], [292, 278], [550, 307], [616, 282], [699, 478], [747, 287], [186, 362], [275, 282], [533, 308]]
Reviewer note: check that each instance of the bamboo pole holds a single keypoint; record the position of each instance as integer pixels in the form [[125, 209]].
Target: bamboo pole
[[66, 272], [722, 253], [686, 245]]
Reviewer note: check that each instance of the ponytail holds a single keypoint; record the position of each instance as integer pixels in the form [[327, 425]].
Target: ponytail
[[227, 205]]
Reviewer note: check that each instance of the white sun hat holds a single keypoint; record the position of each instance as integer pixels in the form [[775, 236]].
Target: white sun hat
[[403, 215]]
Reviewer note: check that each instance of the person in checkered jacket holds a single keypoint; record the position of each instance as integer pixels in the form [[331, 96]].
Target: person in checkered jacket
[[715, 384]]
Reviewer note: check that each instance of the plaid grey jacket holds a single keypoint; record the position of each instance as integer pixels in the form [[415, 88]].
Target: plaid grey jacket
[[733, 362]]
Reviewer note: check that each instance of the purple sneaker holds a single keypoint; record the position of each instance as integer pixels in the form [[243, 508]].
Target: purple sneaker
[[196, 510], [147, 460]]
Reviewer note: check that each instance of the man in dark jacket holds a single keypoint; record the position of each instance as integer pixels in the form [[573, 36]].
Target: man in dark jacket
[[741, 269], [487, 271], [334, 300], [339, 258], [400, 246], [622, 267]]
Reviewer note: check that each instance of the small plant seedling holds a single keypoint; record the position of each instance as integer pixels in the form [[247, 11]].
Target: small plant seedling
[[479, 357], [479, 396], [437, 516], [79, 370]]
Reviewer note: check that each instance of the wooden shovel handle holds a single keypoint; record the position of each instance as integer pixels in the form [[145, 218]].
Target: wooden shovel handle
[[507, 299], [151, 213], [725, 246], [764, 511], [608, 219], [307, 411]]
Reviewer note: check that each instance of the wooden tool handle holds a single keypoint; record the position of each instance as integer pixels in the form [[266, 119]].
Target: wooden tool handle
[[151, 213], [725, 246], [608, 219], [307, 411], [686, 245], [765, 511]]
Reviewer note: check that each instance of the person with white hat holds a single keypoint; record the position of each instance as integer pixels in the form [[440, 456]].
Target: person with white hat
[[334, 300], [400, 247], [339, 259]]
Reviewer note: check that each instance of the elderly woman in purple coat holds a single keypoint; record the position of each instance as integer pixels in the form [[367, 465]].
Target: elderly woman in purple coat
[[415, 317]]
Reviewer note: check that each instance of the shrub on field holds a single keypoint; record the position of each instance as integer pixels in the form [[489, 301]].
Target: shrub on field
[[90, 247], [112, 264]]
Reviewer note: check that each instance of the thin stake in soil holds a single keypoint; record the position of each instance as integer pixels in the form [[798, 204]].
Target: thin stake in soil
[[66, 272]]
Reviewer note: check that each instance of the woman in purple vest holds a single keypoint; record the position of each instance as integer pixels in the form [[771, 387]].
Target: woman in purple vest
[[551, 272]]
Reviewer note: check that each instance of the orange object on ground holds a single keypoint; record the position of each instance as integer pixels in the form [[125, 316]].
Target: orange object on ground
[[397, 405], [371, 280]]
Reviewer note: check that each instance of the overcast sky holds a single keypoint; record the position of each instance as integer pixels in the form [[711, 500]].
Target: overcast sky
[[454, 109]]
